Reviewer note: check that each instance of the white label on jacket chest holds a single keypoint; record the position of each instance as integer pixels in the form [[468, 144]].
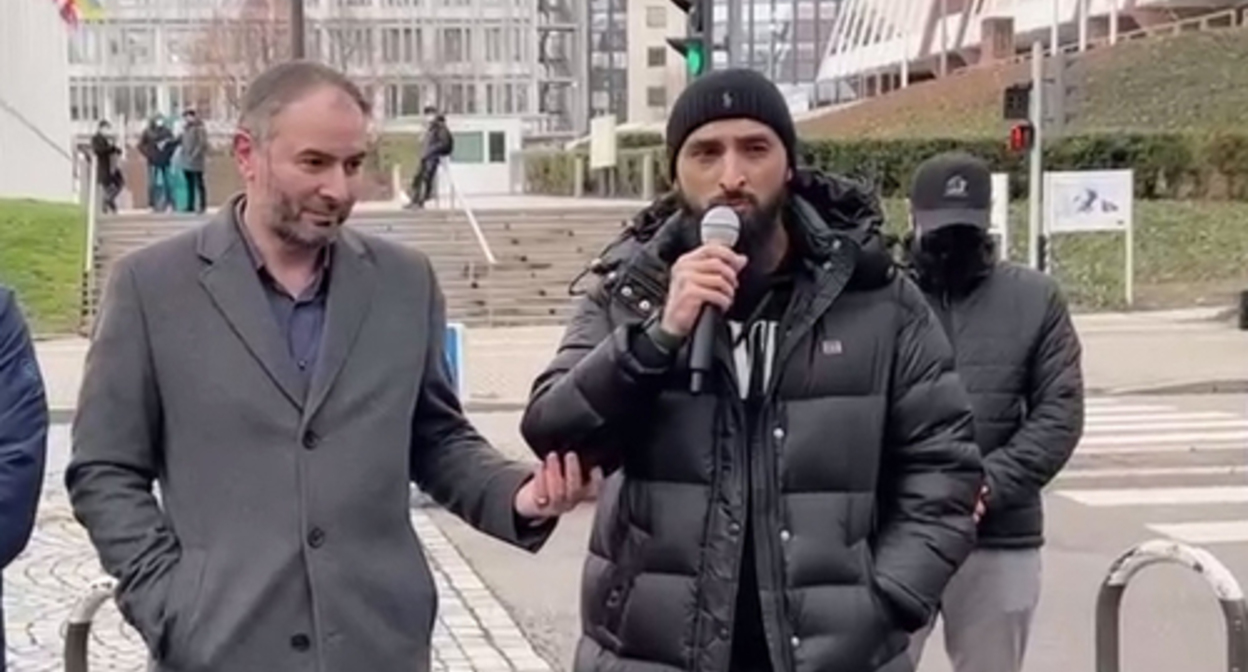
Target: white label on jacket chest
[[759, 344]]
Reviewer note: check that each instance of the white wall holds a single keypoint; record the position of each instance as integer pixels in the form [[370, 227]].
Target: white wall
[[34, 81]]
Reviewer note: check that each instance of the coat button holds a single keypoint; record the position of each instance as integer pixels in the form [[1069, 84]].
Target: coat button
[[795, 642], [311, 440], [316, 538], [626, 291], [644, 305], [785, 535], [724, 632], [300, 642], [778, 433], [734, 528]]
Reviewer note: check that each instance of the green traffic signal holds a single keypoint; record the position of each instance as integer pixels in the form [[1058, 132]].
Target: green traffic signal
[[695, 58]]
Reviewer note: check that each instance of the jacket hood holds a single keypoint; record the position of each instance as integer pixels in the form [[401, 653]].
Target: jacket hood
[[824, 208]]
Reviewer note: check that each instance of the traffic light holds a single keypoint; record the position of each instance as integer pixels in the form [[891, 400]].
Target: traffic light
[[1022, 137], [1017, 103], [695, 46]]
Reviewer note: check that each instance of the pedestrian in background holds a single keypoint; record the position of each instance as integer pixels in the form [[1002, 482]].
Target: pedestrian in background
[[438, 144], [804, 511], [157, 145], [194, 156], [23, 435], [1019, 357], [108, 173], [283, 379]]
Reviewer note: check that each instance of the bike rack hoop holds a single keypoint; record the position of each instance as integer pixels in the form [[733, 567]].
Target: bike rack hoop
[[1161, 551], [78, 629]]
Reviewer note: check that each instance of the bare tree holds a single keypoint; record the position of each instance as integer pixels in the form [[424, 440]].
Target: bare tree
[[237, 45]]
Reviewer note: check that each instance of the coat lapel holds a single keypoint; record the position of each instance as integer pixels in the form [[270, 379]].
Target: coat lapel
[[230, 279], [352, 280]]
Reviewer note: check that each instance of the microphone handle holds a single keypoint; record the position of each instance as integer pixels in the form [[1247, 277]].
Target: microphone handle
[[702, 348]]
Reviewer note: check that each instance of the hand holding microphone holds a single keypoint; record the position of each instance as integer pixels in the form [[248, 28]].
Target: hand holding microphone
[[707, 275]]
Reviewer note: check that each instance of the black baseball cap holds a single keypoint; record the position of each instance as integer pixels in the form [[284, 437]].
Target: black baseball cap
[[951, 189]]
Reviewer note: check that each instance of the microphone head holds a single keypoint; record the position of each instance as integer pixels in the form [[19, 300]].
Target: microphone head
[[721, 225]]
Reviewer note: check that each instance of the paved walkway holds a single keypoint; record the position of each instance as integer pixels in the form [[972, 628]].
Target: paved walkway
[[474, 632]]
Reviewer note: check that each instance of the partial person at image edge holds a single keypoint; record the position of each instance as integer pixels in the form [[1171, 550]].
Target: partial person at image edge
[[1020, 359], [804, 513], [23, 436], [283, 378]]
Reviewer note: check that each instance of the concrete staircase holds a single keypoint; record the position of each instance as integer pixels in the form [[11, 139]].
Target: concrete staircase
[[539, 251]]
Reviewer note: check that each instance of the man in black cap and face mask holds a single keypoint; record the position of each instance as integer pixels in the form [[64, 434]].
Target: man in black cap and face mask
[[805, 510], [1019, 357]]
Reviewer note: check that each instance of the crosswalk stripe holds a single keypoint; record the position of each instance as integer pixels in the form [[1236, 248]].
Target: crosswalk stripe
[[1159, 496], [1153, 438], [1151, 448], [1163, 426], [1094, 419], [1216, 532], [1133, 429], [1151, 472]]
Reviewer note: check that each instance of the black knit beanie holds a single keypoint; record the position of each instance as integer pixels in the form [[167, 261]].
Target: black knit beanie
[[736, 93]]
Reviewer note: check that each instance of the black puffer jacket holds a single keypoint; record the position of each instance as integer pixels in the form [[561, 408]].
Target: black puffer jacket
[[865, 440], [1020, 360]]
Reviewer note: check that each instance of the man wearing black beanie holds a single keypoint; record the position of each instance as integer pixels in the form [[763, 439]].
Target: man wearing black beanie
[[804, 511]]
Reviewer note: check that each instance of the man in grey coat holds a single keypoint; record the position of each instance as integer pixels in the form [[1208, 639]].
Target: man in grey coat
[[283, 379], [194, 158], [1019, 357]]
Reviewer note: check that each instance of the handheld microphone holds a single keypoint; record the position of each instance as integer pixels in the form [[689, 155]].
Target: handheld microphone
[[721, 226]]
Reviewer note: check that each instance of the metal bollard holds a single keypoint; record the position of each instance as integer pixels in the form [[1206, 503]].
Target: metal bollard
[[78, 630], [1160, 551]]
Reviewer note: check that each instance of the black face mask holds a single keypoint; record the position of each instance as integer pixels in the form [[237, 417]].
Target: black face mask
[[951, 259], [758, 229]]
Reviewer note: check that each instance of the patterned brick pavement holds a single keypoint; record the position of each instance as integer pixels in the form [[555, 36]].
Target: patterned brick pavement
[[474, 633]]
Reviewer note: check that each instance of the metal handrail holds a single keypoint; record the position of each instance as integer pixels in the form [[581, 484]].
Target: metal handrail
[[1161, 551], [78, 630], [472, 217]]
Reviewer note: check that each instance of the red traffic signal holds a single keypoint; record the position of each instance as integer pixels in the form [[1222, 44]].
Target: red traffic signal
[[1022, 137]]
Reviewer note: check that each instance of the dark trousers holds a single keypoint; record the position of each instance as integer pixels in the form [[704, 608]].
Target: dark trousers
[[196, 193], [422, 183]]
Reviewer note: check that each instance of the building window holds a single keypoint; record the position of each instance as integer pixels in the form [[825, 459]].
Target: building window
[[469, 147], [498, 147], [656, 17], [656, 57], [656, 96], [456, 45]]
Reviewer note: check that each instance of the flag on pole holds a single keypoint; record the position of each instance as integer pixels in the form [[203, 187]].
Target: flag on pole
[[74, 11]]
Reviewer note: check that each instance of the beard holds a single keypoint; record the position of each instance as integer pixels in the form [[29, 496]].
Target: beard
[[759, 222], [290, 227]]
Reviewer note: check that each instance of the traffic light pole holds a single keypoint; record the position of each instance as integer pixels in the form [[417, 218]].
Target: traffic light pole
[[297, 30], [733, 40], [1035, 239]]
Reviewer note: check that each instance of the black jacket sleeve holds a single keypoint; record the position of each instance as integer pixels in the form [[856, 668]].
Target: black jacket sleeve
[[602, 378], [23, 431], [1054, 423], [931, 474], [452, 461]]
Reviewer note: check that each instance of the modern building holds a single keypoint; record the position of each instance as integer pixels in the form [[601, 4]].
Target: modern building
[[36, 160], [506, 58], [879, 45], [635, 75]]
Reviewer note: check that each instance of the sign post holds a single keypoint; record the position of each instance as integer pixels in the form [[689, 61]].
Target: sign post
[[1000, 222], [1094, 200]]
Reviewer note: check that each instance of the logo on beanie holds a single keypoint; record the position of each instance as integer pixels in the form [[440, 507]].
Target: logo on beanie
[[727, 100]]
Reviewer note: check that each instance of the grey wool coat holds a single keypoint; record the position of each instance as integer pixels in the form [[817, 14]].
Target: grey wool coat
[[282, 540]]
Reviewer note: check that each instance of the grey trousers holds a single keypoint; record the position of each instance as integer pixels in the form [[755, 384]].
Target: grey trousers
[[987, 611]]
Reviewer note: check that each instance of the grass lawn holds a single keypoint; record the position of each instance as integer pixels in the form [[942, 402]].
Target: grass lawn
[[1187, 253], [41, 257], [1192, 82]]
